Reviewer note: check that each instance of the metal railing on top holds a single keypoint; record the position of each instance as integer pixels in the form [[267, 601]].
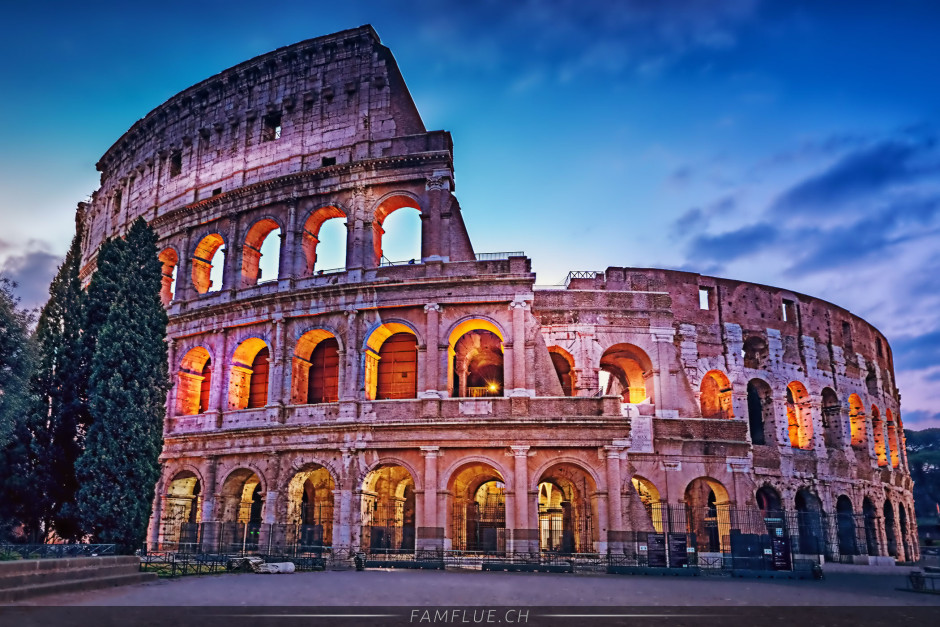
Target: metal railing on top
[[498, 256]]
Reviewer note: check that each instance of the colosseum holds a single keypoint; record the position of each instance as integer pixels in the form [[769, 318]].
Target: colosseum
[[444, 405]]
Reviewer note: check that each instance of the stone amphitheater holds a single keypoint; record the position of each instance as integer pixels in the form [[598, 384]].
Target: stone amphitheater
[[444, 402]]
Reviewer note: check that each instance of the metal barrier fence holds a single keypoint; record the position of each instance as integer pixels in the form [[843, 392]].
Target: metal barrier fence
[[50, 551]]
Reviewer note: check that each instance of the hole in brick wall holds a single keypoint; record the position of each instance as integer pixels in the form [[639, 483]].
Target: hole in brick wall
[[705, 298], [176, 163], [328, 161], [217, 191], [271, 127], [789, 310]]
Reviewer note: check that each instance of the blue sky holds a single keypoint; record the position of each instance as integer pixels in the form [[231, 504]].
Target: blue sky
[[785, 142]]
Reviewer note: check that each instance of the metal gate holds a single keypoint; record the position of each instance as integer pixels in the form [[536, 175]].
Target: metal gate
[[481, 528], [566, 529], [385, 528]]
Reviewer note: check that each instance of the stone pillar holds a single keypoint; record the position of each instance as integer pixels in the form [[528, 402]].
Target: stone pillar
[[351, 389], [615, 531], [287, 261], [435, 244], [156, 526], [211, 507], [183, 290], [174, 389], [664, 388], [518, 307], [218, 395], [231, 273], [432, 332], [524, 538], [268, 538], [430, 531], [277, 380]]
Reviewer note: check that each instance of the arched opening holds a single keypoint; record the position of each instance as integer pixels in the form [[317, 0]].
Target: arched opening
[[893, 440], [755, 352], [194, 380], [566, 505], [890, 534], [878, 430], [769, 502], [831, 418], [478, 521], [477, 365], [324, 241], [870, 514], [208, 262], [388, 509], [809, 523], [248, 382], [799, 416], [651, 501], [857, 421], [845, 519], [262, 242], [627, 371], [708, 509], [396, 235], [242, 501], [716, 395], [391, 363], [315, 368], [310, 508], [760, 410], [563, 363], [905, 533], [170, 260], [182, 512]]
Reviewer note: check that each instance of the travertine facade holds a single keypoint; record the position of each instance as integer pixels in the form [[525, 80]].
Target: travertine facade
[[445, 402]]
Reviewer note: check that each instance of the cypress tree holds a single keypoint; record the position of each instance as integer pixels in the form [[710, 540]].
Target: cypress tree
[[127, 391]]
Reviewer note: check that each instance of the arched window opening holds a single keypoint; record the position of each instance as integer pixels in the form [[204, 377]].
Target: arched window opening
[[716, 395], [262, 242], [324, 241], [478, 365], [857, 421], [396, 235], [893, 440], [799, 417], [170, 261], [478, 521], [194, 380], [831, 418], [563, 363], [248, 383], [566, 510], [388, 509], [391, 363], [905, 533], [182, 513], [755, 352], [871, 382], [760, 410], [315, 368], [870, 515], [629, 374], [650, 499], [769, 502], [208, 264], [878, 430], [890, 534], [708, 509], [310, 508], [847, 530], [242, 505], [809, 523]]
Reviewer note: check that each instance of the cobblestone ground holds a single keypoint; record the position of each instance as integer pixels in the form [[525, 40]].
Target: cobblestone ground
[[417, 588]]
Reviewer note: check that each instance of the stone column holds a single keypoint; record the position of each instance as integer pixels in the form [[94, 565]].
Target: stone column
[[524, 537], [183, 290], [430, 533], [276, 381], [663, 381], [432, 354], [518, 308], [211, 507], [349, 391], [287, 261], [435, 242], [615, 531], [156, 526], [174, 389], [218, 395], [231, 274]]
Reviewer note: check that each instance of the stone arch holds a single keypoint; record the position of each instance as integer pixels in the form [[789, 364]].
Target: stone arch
[[893, 449], [760, 410], [315, 367], [387, 205], [870, 517], [799, 416], [563, 362], [890, 534], [169, 257], [831, 418], [878, 430], [769, 501], [904, 523], [809, 522], [708, 514], [846, 528], [391, 361], [388, 506], [182, 509], [204, 260], [567, 507], [194, 382], [256, 238], [715, 395], [629, 373], [248, 376], [857, 424], [650, 499], [475, 358], [310, 242], [309, 511], [478, 512], [504, 471], [242, 497]]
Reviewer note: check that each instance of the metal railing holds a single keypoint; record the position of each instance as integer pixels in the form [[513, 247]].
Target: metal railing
[[582, 274], [498, 256]]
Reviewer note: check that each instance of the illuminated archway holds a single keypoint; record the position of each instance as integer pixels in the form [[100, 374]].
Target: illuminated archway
[[651, 501], [563, 363], [893, 439], [262, 240], [324, 237], [194, 382], [242, 506], [567, 509], [708, 514], [310, 507], [478, 517], [857, 430], [716, 395], [878, 431], [799, 416], [388, 509], [206, 265], [248, 380], [170, 260], [182, 512], [391, 362], [406, 233], [626, 371], [476, 359], [315, 368]]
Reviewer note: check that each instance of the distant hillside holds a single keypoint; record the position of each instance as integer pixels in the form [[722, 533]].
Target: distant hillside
[[923, 456]]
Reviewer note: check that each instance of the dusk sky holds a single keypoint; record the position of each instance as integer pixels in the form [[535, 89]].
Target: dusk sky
[[782, 142]]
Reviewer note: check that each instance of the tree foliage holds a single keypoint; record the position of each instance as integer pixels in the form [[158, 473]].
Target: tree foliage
[[923, 458], [129, 381]]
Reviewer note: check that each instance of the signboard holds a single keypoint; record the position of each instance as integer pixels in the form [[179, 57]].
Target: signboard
[[780, 548], [641, 433], [678, 550], [656, 550]]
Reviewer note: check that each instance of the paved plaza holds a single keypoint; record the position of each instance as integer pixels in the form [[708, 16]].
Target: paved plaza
[[462, 588]]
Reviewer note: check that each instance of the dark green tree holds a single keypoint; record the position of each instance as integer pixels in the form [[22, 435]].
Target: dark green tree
[[923, 459], [60, 386], [129, 381], [18, 460]]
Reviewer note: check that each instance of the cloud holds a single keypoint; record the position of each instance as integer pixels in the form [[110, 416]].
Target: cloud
[[920, 419], [33, 271], [916, 352], [733, 245]]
